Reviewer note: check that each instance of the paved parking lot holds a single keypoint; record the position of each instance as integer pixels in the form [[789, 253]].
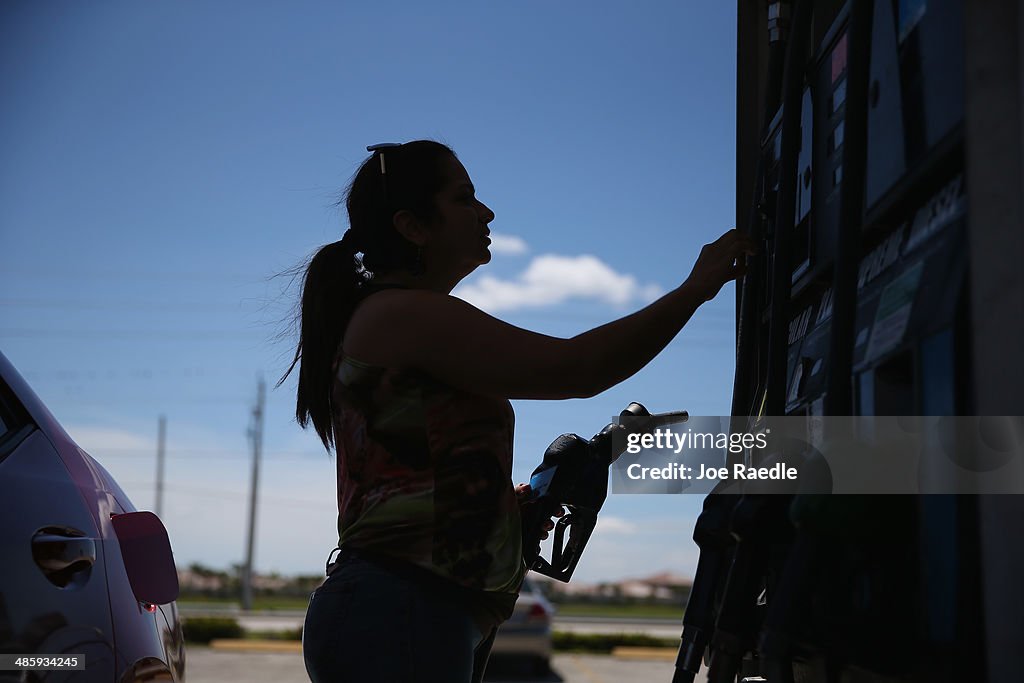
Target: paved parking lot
[[213, 666]]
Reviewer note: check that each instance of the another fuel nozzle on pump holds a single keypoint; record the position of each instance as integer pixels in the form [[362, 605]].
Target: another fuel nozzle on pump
[[712, 536], [574, 476]]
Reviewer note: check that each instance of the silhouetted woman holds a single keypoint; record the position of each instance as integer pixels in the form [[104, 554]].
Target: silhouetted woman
[[411, 386]]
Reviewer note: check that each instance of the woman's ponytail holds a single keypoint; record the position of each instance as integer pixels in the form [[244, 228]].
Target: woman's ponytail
[[329, 292], [331, 287]]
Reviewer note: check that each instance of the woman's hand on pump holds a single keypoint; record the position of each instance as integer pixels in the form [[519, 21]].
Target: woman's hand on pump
[[720, 262]]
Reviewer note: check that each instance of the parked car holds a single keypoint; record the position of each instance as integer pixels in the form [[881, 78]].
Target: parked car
[[527, 633], [83, 573]]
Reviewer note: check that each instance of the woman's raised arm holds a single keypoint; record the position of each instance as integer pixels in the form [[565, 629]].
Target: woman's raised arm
[[462, 346]]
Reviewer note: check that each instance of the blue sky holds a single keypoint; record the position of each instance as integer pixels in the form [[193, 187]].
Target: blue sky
[[160, 162]]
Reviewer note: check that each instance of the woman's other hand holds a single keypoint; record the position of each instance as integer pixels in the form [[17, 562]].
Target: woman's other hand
[[523, 492], [721, 261]]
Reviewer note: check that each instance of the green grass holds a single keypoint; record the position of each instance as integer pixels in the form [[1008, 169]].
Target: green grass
[[589, 609], [605, 642], [205, 629]]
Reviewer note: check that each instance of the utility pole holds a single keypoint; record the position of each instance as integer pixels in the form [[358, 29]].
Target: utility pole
[[161, 441], [256, 434]]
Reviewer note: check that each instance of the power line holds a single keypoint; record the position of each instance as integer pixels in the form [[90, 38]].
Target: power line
[[155, 306], [120, 275], [197, 453], [161, 398], [112, 335], [179, 335], [189, 490], [131, 373]]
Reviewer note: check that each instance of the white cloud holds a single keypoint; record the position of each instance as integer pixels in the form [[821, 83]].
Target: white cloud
[[508, 244], [551, 279], [102, 438], [611, 556], [613, 525]]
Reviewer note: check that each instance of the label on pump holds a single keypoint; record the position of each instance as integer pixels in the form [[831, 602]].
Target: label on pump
[[894, 312]]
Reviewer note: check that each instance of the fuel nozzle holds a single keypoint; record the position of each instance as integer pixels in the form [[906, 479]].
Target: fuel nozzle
[[574, 476], [711, 534]]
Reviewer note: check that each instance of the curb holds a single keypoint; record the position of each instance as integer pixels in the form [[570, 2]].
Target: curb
[[240, 645], [659, 653]]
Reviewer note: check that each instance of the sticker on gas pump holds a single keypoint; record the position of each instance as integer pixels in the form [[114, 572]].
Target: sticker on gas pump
[[893, 313]]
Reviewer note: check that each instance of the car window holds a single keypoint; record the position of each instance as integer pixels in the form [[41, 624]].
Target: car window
[[15, 423]]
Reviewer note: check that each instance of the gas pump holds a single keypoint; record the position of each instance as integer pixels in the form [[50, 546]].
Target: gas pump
[[857, 305]]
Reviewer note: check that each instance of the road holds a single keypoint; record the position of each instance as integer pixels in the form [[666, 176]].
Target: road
[[291, 619], [204, 665]]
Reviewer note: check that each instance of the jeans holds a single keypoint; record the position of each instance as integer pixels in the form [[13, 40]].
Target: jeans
[[366, 624]]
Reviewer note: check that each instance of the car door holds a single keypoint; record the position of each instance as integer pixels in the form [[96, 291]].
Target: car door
[[53, 587]]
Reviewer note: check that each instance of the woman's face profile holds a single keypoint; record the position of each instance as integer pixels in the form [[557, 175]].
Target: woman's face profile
[[459, 234]]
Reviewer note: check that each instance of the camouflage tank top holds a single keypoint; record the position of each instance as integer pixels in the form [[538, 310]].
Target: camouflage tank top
[[424, 477]]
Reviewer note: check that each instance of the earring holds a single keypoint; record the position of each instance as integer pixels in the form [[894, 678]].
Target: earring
[[417, 266]]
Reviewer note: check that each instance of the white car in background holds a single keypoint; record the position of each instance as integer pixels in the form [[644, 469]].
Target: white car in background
[[527, 633]]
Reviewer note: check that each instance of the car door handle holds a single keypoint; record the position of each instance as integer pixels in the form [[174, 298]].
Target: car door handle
[[63, 554]]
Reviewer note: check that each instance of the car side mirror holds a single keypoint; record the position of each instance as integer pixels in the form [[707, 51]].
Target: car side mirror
[[147, 556]]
